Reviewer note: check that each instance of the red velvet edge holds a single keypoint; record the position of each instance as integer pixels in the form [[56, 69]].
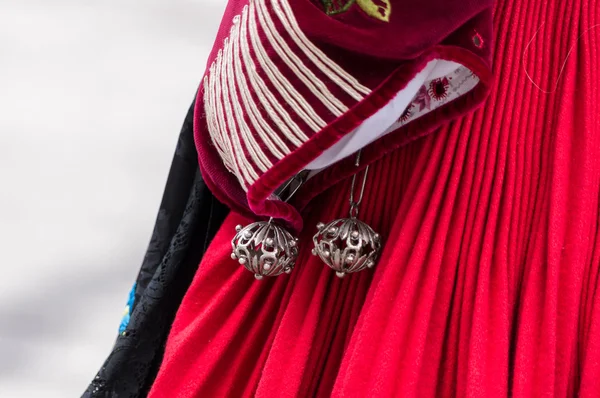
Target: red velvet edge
[[287, 167], [207, 172]]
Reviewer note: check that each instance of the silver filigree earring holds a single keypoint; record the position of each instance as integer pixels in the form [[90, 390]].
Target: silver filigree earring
[[265, 248], [348, 245]]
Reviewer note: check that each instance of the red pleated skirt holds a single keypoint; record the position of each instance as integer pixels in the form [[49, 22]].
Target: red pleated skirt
[[488, 284]]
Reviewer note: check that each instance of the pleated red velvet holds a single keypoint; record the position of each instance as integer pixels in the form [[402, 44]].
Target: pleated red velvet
[[488, 284]]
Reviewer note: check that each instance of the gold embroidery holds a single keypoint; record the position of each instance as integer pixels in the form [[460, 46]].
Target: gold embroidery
[[333, 7], [379, 9]]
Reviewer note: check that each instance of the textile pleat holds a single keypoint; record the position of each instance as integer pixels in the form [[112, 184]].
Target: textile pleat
[[488, 282]]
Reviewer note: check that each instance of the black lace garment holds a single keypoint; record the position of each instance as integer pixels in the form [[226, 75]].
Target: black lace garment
[[188, 219]]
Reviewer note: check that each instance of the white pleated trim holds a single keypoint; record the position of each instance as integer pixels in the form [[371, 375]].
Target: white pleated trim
[[241, 128]]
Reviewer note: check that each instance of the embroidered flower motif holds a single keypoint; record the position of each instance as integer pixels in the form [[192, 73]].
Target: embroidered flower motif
[[407, 114], [438, 88], [379, 9], [477, 40], [422, 99]]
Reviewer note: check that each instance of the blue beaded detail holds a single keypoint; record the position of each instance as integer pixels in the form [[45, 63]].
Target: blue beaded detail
[[127, 312]]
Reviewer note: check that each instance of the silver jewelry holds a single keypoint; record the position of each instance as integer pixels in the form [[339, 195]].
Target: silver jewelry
[[265, 248], [348, 245]]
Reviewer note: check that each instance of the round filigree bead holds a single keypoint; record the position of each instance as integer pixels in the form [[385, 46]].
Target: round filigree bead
[[347, 245], [265, 249]]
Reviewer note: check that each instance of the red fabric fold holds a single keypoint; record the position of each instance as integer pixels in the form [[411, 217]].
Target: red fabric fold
[[488, 284]]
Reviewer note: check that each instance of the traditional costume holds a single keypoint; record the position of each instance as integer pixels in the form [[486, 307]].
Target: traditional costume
[[417, 220]]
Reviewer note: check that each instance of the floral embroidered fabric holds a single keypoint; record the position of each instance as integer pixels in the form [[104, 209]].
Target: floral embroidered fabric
[[380, 9]]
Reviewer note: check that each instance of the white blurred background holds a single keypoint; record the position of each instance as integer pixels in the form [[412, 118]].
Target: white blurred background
[[92, 96]]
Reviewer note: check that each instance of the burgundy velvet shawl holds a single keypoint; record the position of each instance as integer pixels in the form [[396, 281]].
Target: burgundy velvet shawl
[[378, 44]]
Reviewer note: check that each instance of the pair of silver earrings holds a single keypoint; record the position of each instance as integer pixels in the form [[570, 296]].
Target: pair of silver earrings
[[346, 245]]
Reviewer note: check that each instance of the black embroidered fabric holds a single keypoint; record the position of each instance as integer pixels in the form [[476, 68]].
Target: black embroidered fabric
[[188, 219]]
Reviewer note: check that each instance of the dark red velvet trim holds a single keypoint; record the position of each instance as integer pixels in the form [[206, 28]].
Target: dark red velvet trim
[[290, 165], [400, 137], [216, 177], [421, 25]]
